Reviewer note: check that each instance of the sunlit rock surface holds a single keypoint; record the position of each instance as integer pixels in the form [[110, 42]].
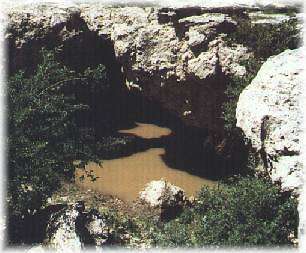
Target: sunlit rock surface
[[62, 230], [167, 199], [169, 55], [71, 229], [270, 114], [173, 54]]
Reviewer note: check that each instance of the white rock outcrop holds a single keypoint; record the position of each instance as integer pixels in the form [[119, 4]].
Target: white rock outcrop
[[269, 113], [62, 232], [162, 51], [262, 18], [168, 54], [97, 227], [161, 193]]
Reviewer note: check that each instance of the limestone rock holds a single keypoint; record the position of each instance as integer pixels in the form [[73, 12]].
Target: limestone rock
[[97, 228], [62, 230], [204, 66], [38, 22], [230, 58], [259, 17], [37, 249], [269, 113], [71, 229], [161, 193], [213, 20], [160, 50]]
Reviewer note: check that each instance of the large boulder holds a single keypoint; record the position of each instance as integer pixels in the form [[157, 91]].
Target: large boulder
[[162, 193], [97, 228], [62, 230], [168, 199], [270, 114]]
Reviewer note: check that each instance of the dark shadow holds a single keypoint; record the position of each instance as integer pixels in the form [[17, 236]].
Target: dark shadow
[[30, 228], [108, 105], [26, 56], [187, 148], [193, 151]]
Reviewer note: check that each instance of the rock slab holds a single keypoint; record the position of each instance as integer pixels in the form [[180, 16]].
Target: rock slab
[[161, 193], [270, 114]]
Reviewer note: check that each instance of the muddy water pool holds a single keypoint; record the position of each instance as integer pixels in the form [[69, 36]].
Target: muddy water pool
[[126, 176]]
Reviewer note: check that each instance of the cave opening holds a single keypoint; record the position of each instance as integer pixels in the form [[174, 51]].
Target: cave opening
[[187, 148]]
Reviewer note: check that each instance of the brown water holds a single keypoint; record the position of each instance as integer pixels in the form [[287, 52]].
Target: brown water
[[126, 176]]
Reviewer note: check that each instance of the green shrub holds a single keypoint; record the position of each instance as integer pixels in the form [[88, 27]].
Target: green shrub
[[244, 212], [234, 88], [266, 39], [129, 231], [43, 137]]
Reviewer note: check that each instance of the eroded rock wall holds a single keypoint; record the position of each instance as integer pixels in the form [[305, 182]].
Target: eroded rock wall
[[270, 114], [178, 57]]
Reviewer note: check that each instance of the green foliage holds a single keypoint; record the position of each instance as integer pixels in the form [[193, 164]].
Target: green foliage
[[266, 39], [234, 87], [128, 231], [244, 212], [290, 11], [43, 137], [178, 232]]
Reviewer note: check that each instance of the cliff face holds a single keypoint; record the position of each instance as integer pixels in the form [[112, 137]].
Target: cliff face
[[177, 57], [273, 120], [179, 61]]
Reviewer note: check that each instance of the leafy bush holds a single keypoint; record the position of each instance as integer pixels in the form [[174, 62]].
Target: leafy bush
[[244, 212], [266, 39], [43, 137], [234, 88], [128, 231]]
